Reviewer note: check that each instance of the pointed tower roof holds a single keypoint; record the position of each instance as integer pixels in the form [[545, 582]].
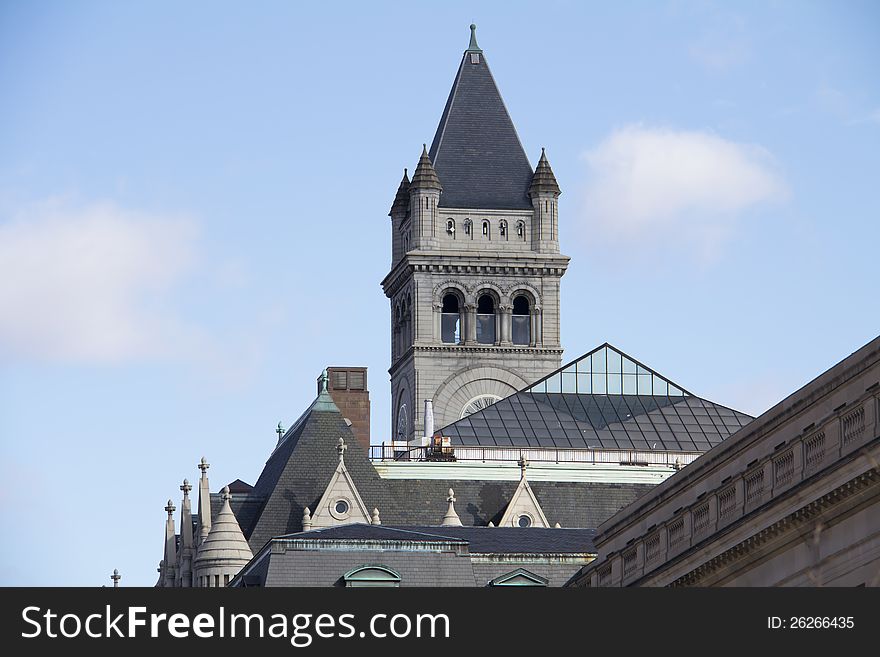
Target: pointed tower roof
[[476, 151], [425, 177], [544, 180], [225, 541], [401, 200]]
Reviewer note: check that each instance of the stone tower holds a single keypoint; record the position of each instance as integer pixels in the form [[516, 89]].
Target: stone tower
[[475, 269]]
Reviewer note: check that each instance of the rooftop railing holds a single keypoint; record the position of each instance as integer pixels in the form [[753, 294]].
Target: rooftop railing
[[472, 453]]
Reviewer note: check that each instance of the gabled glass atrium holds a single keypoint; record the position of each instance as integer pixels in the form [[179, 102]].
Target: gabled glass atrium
[[603, 400]]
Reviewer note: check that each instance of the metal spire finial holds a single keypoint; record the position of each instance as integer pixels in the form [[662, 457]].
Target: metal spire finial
[[279, 430], [324, 379], [472, 46]]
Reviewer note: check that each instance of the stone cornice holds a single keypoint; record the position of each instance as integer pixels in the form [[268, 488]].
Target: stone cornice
[[492, 263], [473, 349], [793, 522]]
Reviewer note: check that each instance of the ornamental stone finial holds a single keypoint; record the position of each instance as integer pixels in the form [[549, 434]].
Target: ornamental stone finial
[[279, 430], [224, 494], [374, 520], [170, 508], [186, 488], [203, 466], [340, 448], [523, 463], [115, 577], [451, 518]]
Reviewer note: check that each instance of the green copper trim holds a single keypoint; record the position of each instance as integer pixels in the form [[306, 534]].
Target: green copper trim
[[324, 402], [472, 46]]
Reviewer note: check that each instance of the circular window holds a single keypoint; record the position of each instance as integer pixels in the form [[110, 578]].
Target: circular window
[[478, 404], [341, 507], [524, 521]]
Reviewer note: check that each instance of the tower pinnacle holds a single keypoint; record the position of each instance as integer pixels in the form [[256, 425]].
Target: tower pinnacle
[[472, 46]]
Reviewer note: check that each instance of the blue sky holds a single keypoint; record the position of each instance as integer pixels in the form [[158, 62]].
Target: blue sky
[[193, 220]]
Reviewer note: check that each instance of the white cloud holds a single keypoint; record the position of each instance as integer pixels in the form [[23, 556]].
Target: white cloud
[[646, 184], [91, 283]]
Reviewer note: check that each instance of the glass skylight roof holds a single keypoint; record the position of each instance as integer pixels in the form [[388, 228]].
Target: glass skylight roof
[[607, 371], [606, 400]]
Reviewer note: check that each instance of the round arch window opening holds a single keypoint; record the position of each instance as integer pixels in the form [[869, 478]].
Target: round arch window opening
[[478, 404]]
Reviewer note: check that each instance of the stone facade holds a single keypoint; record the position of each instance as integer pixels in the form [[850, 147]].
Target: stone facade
[[792, 499]]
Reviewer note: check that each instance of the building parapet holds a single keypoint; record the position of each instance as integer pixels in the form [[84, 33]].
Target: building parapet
[[756, 469]]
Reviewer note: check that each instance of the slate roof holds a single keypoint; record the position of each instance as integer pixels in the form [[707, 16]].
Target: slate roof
[[481, 540], [476, 151], [401, 199], [298, 471], [604, 399]]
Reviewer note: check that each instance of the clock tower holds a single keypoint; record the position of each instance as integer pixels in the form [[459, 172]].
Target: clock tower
[[475, 263]]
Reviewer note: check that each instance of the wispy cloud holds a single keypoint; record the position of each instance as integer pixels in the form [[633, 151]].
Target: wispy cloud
[[646, 183], [91, 283]]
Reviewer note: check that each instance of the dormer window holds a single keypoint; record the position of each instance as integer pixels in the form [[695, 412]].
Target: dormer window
[[502, 229], [467, 226], [485, 229], [521, 229], [475, 58], [450, 227]]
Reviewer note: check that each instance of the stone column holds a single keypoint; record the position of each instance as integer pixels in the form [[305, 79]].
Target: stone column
[[505, 313], [438, 329], [539, 332], [533, 321], [470, 312]]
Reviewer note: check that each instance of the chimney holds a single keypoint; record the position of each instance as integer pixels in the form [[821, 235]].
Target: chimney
[[348, 389], [429, 422]]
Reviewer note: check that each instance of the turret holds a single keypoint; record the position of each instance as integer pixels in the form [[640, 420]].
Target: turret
[[224, 552], [400, 230], [187, 543], [204, 502], [544, 192], [170, 552], [424, 197]]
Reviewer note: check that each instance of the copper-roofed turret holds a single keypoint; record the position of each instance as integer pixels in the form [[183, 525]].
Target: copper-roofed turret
[[425, 177], [401, 200], [544, 180]]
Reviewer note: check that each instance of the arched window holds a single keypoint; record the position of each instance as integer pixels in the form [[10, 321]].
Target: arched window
[[521, 321], [502, 229], [450, 227], [372, 575], [485, 229], [450, 320], [467, 227], [521, 229], [486, 319]]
